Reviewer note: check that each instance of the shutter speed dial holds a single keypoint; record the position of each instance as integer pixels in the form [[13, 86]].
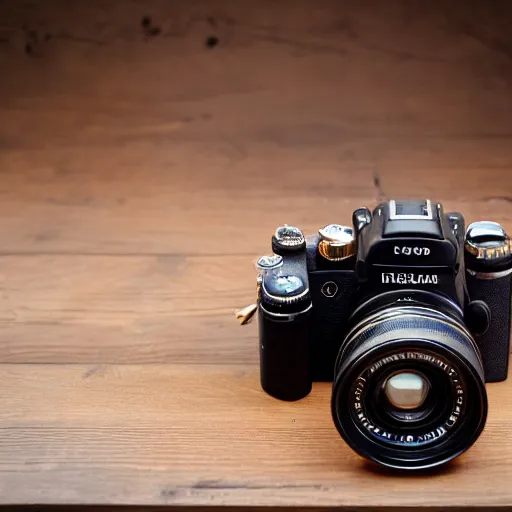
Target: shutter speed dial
[[487, 240], [269, 262], [284, 293], [487, 247], [337, 242], [288, 239], [278, 288]]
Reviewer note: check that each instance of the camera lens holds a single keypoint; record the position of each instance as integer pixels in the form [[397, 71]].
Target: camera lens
[[409, 386]]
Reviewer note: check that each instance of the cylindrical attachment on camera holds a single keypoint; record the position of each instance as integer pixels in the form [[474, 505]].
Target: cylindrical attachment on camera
[[284, 355], [283, 310], [488, 260]]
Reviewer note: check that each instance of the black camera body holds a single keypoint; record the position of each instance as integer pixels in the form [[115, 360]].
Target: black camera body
[[407, 261]]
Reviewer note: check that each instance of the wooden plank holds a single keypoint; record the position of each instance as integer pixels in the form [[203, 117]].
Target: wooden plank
[[165, 434], [130, 309], [89, 213]]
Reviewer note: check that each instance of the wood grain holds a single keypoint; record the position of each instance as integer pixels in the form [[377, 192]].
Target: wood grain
[[143, 309], [72, 428], [148, 150]]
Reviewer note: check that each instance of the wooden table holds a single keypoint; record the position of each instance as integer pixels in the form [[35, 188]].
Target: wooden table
[[147, 152]]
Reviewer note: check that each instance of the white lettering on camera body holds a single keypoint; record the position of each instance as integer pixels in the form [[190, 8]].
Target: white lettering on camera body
[[408, 251], [408, 278]]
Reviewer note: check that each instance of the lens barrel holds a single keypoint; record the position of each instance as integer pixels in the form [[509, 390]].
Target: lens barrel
[[422, 336]]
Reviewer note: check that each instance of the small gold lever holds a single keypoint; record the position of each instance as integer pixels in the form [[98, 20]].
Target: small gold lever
[[245, 314]]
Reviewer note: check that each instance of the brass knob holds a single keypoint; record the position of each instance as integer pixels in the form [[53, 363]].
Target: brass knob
[[336, 242], [487, 240]]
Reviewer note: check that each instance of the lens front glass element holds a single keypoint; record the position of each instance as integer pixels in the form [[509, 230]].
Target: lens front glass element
[[406, 390], [409, 396]]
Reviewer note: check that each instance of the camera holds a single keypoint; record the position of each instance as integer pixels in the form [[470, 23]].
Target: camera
[[405, 311]]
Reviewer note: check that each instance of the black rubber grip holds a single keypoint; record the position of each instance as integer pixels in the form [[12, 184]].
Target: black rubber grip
[[494, 344], [284, 356]]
